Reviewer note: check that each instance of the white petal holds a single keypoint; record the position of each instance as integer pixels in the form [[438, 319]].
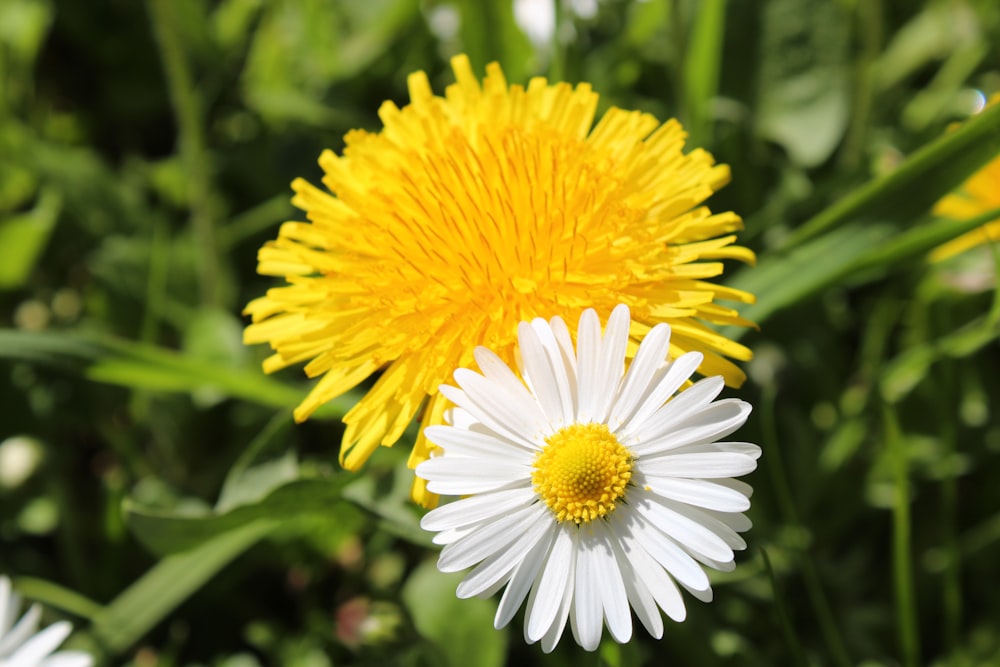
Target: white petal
[[652, 578], [705, 466], [736, 485], [639, 596], [562, 367], [9, 606], [502, 563], [684, 530], [705, 426], [68, 659], [477, 508], [669, 555], [611, 587], [557, 575], [489, 445], [524, 576], [637, 385], [611, 362], [483, 415], [488, 538], [460, 476], [666, 381], [587, 608], [461, 418], [710, 520], [453, 534], [523, 418], [497, 372], [24, 628], [551, 638], [565, 341], [547, 381], [588, 351], [680, 407], [738, 522], [40, 645], [744, 448], [700, 493]]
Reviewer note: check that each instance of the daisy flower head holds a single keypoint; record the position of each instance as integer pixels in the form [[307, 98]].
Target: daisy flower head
[[469, 213], [22, 645], [977, 196], [587, 488]]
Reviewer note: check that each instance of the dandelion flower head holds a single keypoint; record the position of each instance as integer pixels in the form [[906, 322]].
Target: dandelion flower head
[[588, 491], [471, 212]]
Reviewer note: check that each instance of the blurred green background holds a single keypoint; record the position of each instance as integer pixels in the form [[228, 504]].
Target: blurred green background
[[153, 490]]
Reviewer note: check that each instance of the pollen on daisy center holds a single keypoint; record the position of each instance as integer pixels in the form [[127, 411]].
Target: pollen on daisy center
[[582, 472]]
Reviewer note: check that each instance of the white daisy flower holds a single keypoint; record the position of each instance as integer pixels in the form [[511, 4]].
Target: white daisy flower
[[21, 645], [588, 491]]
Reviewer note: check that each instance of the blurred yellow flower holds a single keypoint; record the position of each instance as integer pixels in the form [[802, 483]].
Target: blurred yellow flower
[[469, 213], [979, 194]]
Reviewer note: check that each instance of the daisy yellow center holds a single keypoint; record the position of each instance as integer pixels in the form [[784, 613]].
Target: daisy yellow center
[[582, 472]]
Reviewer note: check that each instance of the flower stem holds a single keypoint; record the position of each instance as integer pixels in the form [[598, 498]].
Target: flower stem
[[814, 589], [901, 557], [794, 646], [188, 111]]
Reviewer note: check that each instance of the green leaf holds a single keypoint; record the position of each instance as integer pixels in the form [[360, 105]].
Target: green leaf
[[803, 83], [166, 533], [920, 240], [142, 366], [23, 26], [461, 630], [392, 505], [57, 597], [254, 483], [701, 69], [300, 49], [909, 192], [489, 33], [906, 371], [784, 279], [168, 583], [23, 238], [249, 480]]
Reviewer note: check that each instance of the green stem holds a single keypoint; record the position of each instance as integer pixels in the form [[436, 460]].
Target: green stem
[[798, 655], [188, 110], [869, 15], [557, 63], [814, 588], [901, 530], [951, 581], [156, 283]]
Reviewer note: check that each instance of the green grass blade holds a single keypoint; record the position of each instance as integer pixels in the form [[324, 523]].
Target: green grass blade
[[911, 190], [701, 69], [166, 533], [902, 557], [148, 367], [168, 583], [55, 596]]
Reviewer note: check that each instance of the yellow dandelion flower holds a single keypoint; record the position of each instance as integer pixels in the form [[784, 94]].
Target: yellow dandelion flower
[[979, 195], [469, 213]]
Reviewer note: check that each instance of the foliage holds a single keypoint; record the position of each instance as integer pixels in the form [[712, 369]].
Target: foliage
[[153, 489]]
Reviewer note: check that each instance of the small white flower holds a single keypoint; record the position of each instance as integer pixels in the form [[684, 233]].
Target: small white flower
[[21, 645], [588, 491]]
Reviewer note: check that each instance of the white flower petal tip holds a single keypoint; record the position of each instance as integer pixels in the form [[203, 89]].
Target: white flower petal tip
[[591, 489], [23, 645]]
